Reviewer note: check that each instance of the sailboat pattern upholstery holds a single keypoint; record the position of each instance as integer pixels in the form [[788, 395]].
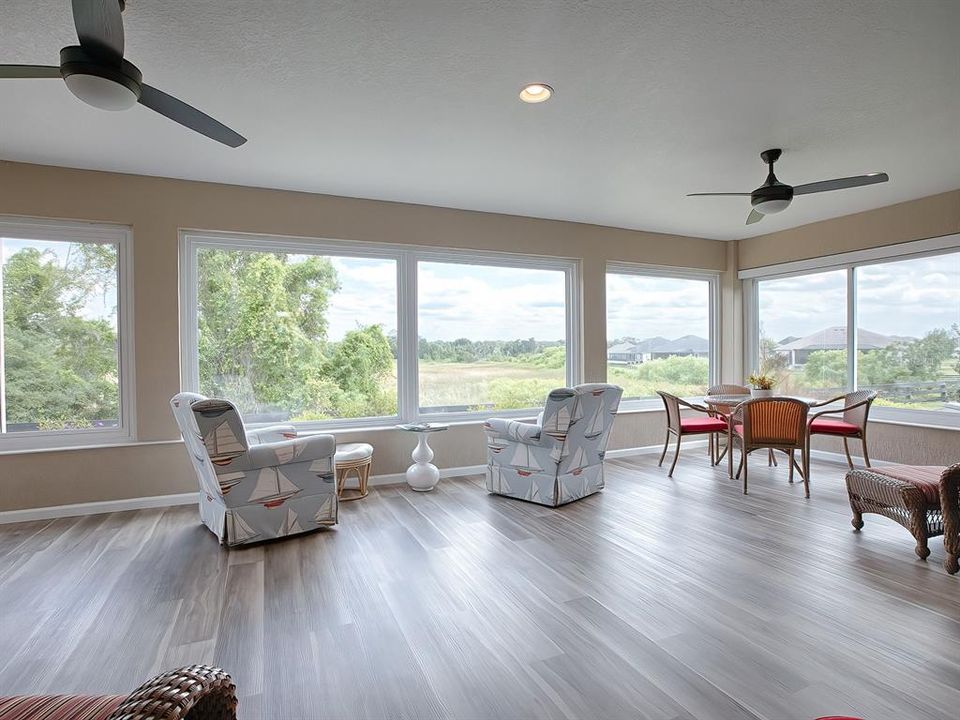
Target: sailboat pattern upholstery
[[256, 485], [559, 458]]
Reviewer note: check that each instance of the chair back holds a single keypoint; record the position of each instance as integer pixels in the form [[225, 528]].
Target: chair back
[[182, 404], [728, 390], [858, 415], [777, 422], [579, 421], [671, 403]]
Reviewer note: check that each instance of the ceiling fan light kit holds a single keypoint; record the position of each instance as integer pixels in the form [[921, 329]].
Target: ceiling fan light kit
[[108, 87], [97, 73], [774, 196]]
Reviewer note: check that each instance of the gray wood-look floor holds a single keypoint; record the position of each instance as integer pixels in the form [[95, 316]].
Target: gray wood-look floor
[[657, 598]]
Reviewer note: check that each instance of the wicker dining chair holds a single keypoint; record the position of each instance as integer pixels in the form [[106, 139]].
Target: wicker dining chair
[[723, 389], [678, 426], [853, 424], [776, 423], [197, 692]]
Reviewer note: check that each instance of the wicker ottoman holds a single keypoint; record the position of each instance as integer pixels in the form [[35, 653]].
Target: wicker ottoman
[[924, 499]]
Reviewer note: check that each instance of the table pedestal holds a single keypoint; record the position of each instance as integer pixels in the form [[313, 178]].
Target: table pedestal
[[422, 475]]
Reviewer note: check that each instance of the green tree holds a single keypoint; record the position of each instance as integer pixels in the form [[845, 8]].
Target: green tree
[[360, 361], [263, 326], [60, 367], [826, 369]]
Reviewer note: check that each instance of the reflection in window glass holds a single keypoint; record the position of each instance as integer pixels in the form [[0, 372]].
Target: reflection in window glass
[[292, 337], [908, 339], [60, 359], [803, 333], [490, 337], [658, 335]]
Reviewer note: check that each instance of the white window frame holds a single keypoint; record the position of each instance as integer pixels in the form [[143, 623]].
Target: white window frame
[[100, 234], [407, 258], [661, 271], [570, 268], [849, 262]]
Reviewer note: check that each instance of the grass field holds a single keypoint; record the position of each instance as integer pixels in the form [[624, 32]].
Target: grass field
[[500, 384]]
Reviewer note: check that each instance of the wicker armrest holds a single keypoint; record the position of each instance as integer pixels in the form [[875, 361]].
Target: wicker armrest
[[197, 692]]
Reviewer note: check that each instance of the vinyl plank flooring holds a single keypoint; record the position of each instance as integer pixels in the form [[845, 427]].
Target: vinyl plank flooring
[[668, 599]]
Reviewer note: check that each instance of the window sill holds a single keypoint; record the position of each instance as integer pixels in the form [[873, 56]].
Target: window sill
[[83, 446]]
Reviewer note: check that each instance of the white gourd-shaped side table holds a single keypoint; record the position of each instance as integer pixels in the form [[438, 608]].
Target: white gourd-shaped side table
[[423, 475]]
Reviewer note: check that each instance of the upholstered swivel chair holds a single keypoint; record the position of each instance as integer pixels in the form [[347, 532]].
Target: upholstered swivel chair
[[257, 485], [559, 459]]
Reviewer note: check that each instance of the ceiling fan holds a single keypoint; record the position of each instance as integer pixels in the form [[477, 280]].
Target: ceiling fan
[[96, 72], [774, 196]]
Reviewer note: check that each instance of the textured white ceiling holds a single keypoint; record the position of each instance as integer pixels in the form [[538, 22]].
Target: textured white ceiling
[[416, 101]]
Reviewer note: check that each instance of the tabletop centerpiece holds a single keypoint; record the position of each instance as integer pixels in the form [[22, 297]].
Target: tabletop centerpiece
[[761, 384]]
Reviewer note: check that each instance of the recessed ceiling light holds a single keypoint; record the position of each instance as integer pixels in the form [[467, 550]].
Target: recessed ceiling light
[[536, 93]]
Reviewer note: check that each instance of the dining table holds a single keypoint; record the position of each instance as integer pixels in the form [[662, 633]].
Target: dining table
[[725, 405]]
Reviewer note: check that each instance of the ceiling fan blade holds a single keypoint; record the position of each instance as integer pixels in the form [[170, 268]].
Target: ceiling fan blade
[[29, 71], [718, 194], [99, 27], [754, 217], [840, 183], [188, 116]]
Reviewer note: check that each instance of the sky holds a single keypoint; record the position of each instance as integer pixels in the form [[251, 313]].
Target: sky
[[455, 300], [648, 306], [101, 306], [906, 298]]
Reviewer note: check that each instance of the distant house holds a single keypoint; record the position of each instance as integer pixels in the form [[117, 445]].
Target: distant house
[[655, 348], [833, 338], [625, 353]]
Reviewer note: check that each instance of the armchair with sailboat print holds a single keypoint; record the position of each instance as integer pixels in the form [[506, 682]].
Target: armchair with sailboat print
[[255, 491], [559, 459]]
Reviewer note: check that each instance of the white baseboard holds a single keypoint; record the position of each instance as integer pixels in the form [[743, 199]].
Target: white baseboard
[[52, 512], [108, 506], [842, 459], [396, 478], [95, 508], [650, 449]]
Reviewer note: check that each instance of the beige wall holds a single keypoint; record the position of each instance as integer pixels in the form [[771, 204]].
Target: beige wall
[[933, 216], [158, 208], [927, 217]]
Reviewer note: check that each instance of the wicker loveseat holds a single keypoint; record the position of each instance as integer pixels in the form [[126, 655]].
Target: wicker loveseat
[[197, 692], [924, 499]]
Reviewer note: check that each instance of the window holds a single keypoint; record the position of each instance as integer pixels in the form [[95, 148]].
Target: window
[[490, 337], [908, 332], [296, 336], [803, 334], [326, 333], [906, 311], [659, 332], [63, 346]]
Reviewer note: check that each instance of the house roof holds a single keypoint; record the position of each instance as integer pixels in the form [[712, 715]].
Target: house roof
[[686, 344], [835, 338]]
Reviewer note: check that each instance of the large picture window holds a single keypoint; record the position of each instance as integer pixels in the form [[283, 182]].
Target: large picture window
[[490, 337], [297, 336], [803, 334], [63, 356], [659, 332], [890, 325], [326, 333]]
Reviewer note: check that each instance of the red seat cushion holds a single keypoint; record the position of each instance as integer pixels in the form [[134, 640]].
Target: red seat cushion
[[59, 707], [826, 426], [702, 425], [926, 478]]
